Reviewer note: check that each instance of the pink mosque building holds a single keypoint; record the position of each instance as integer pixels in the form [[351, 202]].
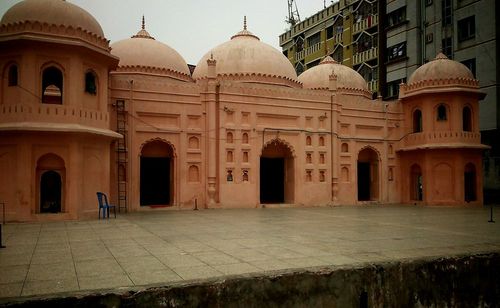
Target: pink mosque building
[[78, 115]]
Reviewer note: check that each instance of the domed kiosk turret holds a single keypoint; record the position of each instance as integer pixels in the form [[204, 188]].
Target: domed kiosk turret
[[49, 18], [441, 75], [54, 124], [347, 79], [441, 150], [245, 58], [142, 53]]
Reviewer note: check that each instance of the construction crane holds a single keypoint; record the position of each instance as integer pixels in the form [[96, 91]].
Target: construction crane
[[293, 14]]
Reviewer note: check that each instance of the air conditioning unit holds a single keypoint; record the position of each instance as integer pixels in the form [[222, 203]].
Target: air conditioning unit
[[429, 38]]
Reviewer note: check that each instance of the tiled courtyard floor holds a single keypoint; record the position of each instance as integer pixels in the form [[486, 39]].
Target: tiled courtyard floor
[[160, 247]]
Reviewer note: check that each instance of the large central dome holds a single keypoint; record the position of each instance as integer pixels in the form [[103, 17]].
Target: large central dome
[[247, 59]]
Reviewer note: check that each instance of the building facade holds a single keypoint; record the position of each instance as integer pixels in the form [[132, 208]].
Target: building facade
[[130, 119], [410, 34]]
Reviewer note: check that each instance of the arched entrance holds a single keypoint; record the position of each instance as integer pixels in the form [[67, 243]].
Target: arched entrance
[[368, 175], [277, 173], [416, 183], [50, 176], [156, 176], [470, 183]]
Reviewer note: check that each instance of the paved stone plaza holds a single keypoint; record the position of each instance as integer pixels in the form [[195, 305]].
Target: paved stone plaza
[[160, 247]]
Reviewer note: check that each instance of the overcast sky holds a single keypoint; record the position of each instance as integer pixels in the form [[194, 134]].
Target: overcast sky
[[192, 27]]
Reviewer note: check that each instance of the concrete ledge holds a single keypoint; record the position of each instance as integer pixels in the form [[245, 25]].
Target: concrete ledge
[[465, 281]]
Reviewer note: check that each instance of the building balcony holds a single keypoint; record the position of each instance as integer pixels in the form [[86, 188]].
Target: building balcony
[[338, 37], [441, 139], [309, 51], [365, 56], [57, 118], [368, 22], [373, 85]]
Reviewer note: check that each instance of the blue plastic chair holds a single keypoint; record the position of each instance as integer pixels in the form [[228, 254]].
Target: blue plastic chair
[[104, 206]]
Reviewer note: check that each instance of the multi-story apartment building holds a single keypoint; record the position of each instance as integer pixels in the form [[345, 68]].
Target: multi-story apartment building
[[347, 30], [387, 40]]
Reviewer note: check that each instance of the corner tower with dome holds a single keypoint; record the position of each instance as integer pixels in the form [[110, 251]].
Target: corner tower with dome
[[242, 131]]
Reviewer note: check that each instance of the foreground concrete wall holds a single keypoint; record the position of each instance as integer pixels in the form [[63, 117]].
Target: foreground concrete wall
[[466, 281]]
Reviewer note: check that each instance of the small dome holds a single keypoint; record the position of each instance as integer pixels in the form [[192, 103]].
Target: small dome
[[440, 68], [52, 12], [318, 77], [250, 59], [142, 50]]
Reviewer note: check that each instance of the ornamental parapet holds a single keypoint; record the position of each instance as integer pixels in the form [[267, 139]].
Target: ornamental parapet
[[56, 114], [441, 139], [449, 83], [259, 78], [35, 28], [148, 70]]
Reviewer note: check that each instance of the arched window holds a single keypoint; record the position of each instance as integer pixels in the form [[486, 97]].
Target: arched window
[[321, 141], [417, 121], [52, 86], [467, 119], [229, 138], [193, 143], [309, 158], [13, 75], [90, 83], [244, 138], [308, 140], [229, 157], [441, 113], [194, 174], [345, 148]]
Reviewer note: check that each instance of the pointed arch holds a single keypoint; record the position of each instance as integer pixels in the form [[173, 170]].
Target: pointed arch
[[157, 173], [51, 173], [277, 172], [52, 83], [368, 170]]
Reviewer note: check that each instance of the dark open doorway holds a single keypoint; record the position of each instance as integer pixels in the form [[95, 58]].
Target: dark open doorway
[[416, 183], [277, 183], [363, 181], [470, 183], [155, 180], [272, 180], [368, 179], [50, 192]]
